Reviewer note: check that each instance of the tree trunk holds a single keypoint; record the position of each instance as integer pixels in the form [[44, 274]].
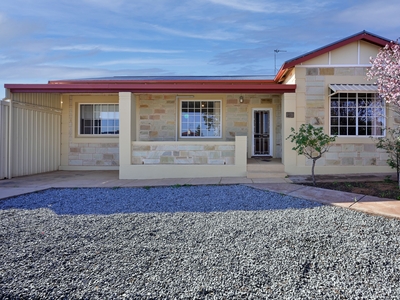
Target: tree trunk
[[312, 171]]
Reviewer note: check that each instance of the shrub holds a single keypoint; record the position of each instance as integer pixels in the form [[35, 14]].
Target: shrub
[[311, 142], [391, 143]]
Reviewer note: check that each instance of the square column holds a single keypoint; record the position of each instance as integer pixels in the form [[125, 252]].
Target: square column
[[289, 120], [127, 131]]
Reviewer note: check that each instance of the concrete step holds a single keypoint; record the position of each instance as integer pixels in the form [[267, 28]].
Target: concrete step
[[266, 168], [253, 175]]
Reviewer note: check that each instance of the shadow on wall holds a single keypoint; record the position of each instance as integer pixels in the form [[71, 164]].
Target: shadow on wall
[[106, 201]]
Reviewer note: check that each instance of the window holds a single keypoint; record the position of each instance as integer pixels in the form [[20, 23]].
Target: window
[[201, 119], [357, 114], [99, 119]]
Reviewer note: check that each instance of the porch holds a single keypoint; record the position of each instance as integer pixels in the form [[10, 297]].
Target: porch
[[265, 167]]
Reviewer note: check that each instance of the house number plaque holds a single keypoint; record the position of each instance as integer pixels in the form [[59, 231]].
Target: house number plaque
[[290, 114]]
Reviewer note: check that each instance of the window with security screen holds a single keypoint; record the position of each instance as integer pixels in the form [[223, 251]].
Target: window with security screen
[[200, 119], [357, 114], [99, 119]]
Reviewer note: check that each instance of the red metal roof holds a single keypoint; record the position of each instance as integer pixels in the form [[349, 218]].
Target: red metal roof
[[155, 86], [363, 35]]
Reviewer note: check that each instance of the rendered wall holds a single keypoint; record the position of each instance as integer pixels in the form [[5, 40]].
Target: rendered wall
[[356, 53]]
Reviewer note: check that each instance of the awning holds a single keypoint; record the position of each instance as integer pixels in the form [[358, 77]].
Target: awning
[[357, 88]]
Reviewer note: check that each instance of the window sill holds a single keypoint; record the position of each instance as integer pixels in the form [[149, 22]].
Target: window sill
[[95, 139], [355, 139]]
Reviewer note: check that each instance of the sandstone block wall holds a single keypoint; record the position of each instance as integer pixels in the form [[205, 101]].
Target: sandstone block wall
[[157, 115], [93, 154], [184, 153], [238, 117], [316, 90], [353, 154], [86, 153], [316, 102], [349, 154]]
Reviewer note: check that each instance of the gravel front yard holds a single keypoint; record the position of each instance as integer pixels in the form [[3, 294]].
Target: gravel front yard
[[197, 242]]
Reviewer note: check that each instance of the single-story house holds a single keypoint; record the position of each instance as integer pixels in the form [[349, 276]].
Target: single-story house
[[171, 127]]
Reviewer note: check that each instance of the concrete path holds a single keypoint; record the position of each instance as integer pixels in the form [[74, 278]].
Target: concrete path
[[69, 179]]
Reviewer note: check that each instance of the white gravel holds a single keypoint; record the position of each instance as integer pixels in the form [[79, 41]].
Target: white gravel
[[197, 242]]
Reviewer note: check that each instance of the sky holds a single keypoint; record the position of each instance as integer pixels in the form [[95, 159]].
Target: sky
[[43, 40]]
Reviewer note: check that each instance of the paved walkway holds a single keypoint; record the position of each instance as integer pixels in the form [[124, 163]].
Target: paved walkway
[[70, 179]]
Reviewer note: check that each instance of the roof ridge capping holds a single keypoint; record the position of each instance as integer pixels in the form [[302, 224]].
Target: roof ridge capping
[[363, 35]]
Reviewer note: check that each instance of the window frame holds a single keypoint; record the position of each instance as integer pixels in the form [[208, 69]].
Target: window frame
[[180, 136], [95, 135], [381, 107]]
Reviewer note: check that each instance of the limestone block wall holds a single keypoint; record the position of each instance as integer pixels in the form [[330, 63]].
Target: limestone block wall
[[221, 153], [238, 117], [317, 113], [157, 115], [87, 153], [353, 155], [316, 89], [93, 154]]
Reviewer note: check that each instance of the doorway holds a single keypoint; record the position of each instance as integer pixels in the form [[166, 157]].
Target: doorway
[[262, 133]]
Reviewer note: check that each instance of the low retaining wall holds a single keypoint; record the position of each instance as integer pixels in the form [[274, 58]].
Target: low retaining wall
[[216, 153], [184, 159]]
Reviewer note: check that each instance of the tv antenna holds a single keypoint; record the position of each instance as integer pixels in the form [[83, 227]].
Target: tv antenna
[[276, 51]]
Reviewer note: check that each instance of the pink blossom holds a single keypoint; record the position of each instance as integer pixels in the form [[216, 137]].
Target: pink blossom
[[385, 72]]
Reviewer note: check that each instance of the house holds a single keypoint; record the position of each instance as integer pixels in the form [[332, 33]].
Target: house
[[171, 127]]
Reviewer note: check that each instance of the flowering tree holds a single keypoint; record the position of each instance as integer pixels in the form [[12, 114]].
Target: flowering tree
[[385, 72]]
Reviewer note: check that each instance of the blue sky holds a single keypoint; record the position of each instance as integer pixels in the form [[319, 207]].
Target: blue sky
[[43, 40]]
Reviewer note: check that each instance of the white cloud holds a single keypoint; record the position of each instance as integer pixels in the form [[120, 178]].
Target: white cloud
[[218, 35], [42, 73], [12, 28], [375, 14], [271, 7], [159, 62], [105, 3], [112, 49], [6, 60], [254, 27], [244, 5]]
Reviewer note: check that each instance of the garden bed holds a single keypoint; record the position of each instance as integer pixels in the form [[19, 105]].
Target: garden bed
[[383, 189]]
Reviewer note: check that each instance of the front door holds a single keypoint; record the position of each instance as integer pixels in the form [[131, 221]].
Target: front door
[[262, 134]]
